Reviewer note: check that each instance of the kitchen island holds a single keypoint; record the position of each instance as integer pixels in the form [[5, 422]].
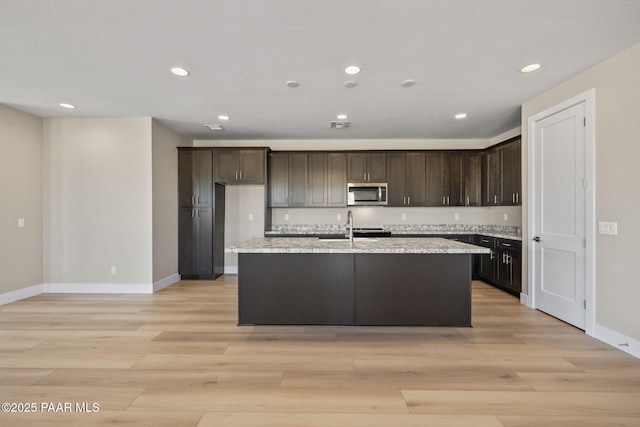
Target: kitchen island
[[390, 281]]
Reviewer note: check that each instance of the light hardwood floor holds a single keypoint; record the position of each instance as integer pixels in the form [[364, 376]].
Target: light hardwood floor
[[177, 358]]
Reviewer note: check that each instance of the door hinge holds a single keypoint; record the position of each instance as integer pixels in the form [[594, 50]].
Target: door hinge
[[585, 303], [584, 182], [585, 122], [584, 243]]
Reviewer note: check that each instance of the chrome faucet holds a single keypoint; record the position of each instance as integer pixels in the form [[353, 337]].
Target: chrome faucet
[[350, 226]]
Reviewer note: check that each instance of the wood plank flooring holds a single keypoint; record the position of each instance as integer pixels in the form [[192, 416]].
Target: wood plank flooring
[[177, 358]]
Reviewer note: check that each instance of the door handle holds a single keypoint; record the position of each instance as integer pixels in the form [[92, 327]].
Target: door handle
[[537, 239]]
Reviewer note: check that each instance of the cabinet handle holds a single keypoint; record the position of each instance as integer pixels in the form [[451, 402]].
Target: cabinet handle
[[513, 198], [197, 200], [236, 175], [495, 199], [448, 202], [484, 241], [467, 200], [240, 175], [193, 215], [517, 198], [193, 200], [507, 245], [404, 200], [492, 255], [444, 200], [369, 177]]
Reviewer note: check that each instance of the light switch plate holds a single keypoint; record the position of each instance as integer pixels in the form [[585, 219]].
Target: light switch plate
[[286, 217], [456, 217], [339, 217], [250, 217], [404, 217], [610, 228], [20, 222]]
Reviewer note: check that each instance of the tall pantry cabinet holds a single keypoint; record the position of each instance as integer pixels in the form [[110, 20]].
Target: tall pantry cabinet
[[200, 217]]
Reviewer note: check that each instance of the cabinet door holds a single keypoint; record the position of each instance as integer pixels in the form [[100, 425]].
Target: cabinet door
[[453, 179], [203, 177], [510, 173], [317, 189], [491, 178], [227, 165], [298, 179], [415, 179], [204, 241], [278, 180], [252, 166], [396, 179], [472, 166], [434, 173], [337, 179], [185, 178], [487, 262], [377, 167], [186, 241], [357, 167]]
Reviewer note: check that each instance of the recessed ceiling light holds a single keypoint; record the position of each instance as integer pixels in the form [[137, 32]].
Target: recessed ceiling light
[[342, 116], [223, 117], [214, 127], [65, 105], [180, 72], [529, 68], [292, 83], [352, 69], [408, 82], [350, 83], [460, 115]]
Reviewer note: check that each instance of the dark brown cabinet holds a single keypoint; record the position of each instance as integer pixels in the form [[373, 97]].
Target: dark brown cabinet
[[491, 177], [406, 177], [452, 183], [503, 266], [367, 167], [298, 179], [472, 173], [200, 216], [278, 180], [509, 265], [501, 181], [434, 164], [313, 179], [336, 179], [240, 166], [510, 173]]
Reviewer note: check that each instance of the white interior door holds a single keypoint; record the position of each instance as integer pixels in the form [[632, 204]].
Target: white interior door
[[559, 229]]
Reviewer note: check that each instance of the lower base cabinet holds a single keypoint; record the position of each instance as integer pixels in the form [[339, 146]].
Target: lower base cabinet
[[501, 268]]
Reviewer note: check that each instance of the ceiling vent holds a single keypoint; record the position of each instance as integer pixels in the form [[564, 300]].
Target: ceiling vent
[[214, 127], [339, 125]]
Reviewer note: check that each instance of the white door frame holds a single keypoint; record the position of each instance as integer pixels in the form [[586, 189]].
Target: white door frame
[[588, 98]]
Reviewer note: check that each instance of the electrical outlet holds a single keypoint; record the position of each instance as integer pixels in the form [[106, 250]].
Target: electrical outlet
[[114, 270], [506, 217], [339, 217], [404, 217], [250, 217], [20, 222], [456, 217], [286, 217]]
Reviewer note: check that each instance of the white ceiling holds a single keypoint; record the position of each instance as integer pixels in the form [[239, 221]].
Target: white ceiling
[[112, 58]]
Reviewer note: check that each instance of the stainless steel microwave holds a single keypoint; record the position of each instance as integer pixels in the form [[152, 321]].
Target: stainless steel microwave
[[366, 194]]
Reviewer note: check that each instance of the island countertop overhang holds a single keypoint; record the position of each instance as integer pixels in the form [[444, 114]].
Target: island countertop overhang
[[391, 245]]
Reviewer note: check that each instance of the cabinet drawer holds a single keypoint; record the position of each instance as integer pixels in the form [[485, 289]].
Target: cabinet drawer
[[514, 245]]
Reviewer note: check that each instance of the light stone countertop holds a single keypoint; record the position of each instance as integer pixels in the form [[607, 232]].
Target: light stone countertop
[[384, 245]]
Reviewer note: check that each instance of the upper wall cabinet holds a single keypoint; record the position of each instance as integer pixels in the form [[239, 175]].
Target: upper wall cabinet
[[234, 166], [307, 179], [406, 179], [501, 178], [367, 167], [472, 177]]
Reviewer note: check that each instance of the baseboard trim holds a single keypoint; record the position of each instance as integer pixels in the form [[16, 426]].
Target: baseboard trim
[[232, 269], [163, 283], [98, 288], [17, 295], [617, 340], [524, 299]]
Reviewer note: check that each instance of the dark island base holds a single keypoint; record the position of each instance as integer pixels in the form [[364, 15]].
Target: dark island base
[[354, 289]]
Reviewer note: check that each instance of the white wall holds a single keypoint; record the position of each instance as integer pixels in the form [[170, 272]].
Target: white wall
[[240, 202], [165, 201], [21, 195], [97, 202], [617, 93]]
